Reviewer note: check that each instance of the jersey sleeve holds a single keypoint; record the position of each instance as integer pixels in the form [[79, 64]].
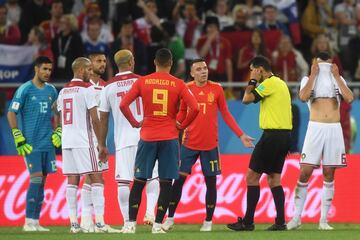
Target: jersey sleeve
[[60, 102], [104, 103], [18, 100], [182, 112], [90, 99], [264, 89], [228, 118], [127, 100], [191, 103]]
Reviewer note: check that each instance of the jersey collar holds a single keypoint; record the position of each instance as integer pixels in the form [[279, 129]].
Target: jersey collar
[[123, 73]]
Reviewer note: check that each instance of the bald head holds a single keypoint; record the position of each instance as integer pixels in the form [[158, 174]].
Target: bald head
[[82, 68], [124, 60]]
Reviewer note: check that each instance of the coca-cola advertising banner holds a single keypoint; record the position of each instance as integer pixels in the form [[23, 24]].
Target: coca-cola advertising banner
[[231, 198]]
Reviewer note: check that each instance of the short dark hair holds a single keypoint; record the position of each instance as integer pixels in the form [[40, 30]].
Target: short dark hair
[[163, 57], [42, 60], [261, 61], [270, 6], [95, 53], [324, 56], [196, 61]]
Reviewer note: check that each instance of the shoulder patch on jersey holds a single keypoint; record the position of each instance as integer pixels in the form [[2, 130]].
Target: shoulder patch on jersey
[[15, 105]]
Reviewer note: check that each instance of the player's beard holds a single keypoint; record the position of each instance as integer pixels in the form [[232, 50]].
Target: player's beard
[[99, 71], [43, 79]]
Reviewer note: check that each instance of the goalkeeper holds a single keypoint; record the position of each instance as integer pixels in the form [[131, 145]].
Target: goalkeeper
[[32, 104]]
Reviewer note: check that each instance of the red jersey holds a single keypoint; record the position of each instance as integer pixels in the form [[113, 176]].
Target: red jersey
[[202, 134], [161, 94]]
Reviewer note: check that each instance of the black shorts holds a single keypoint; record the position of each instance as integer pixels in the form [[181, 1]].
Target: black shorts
[[270, 152]]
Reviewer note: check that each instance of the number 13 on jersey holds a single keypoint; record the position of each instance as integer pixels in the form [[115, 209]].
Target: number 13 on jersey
[[160, 96]]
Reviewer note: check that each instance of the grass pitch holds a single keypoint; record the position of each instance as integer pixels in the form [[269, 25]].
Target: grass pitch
[[191, 232]]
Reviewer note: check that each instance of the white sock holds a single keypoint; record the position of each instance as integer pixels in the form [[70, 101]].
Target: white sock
[[300, 198], [123, 198], [152, 195], [71, 191], [86, 210], [97, 196], [326, 200]]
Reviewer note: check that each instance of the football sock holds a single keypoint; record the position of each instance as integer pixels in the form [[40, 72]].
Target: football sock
[[135, 198], [175, 194], [252, 198], [97, 197], [152, 195], [71, 200], [300, 198], [326, 199], [210, 199], [86, 201], [164, 198], [39, 200], [32, 196], [279, 200], [123, 198]]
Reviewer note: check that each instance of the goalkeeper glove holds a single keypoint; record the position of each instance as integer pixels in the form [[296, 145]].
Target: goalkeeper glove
[[56, 137], [22, 147]]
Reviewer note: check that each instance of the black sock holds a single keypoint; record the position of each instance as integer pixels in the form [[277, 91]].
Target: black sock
[[252, 198], [135, 198], [210, 199], [176, 191], [279, 200], [164, 198]]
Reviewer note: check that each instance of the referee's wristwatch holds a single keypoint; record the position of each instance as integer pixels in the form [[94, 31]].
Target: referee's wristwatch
[[252, 82]]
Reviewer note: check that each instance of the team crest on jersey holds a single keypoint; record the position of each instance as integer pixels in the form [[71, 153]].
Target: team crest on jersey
[[210, 97], [303, 156]]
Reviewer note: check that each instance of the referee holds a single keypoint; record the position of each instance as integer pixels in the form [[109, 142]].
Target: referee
[[270, 152]]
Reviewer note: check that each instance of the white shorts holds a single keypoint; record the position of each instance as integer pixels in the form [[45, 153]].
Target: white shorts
[[125, 164], [324, 141], [79, 161]]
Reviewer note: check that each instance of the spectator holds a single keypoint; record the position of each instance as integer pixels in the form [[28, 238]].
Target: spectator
[[188, 26], [33, 13], [322, 44], [143, 25], [289, 63], [51, 27], [37, 39], [14, 11], [157, 43], [176, 46], [255, 48], [254, 11], [216, 51], [241, 16], [318, 18], [9, 32], [354, 48], [271, 22], [92, 11], [94, 40], [345, 13], [127, 40], [221, 11], [66, 46]]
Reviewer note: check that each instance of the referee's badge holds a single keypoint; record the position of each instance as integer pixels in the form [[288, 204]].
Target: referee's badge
[[211, 97]]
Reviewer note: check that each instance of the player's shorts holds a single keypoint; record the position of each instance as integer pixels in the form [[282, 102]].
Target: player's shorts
[[125, 163], [324, 141], [44, 162], [80, 161], [270, 152], [167, 154], [210, 161]]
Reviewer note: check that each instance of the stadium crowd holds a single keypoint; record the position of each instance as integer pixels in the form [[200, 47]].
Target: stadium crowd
[[227, 33]]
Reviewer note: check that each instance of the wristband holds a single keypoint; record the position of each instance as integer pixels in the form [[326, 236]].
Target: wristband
[[252, 82]]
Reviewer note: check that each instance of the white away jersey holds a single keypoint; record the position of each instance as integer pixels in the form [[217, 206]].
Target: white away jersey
[[74, 102], [111, 95]]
